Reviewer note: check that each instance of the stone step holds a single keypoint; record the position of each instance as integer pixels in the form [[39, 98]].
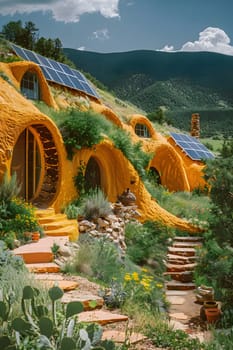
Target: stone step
[[186, 276], [180, 267], [122, 337], [39, 252], [51, 218], [188, 238], [56, 225], [63, 284], [101, 317], [175, 285], [180, 260], [43, 268], [187, 244], [70, 231], [89, 301], [182, 251], [44, 212]]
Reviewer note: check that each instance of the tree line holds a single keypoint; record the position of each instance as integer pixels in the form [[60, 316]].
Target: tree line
[[27, 36]]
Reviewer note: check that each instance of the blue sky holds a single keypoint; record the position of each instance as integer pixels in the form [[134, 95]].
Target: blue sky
[[125, 25]]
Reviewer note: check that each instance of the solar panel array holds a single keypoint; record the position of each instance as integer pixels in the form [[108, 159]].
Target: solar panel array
[[191, 146], [57, 72]]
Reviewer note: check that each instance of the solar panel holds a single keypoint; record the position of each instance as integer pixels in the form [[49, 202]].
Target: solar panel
[[192, 147], [57, 72]]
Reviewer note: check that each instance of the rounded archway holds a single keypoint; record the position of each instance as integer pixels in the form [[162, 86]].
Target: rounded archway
[[92, 174], [155, 175], [36, 164]]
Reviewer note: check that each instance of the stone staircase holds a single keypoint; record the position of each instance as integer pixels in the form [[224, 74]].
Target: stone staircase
[[181, 261], [39, 260], [55, 225]]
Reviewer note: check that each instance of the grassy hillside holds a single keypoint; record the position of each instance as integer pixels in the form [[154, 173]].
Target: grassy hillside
[[183, 82]]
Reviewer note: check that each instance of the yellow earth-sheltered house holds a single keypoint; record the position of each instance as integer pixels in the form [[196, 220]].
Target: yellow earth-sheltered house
[[32, 146]]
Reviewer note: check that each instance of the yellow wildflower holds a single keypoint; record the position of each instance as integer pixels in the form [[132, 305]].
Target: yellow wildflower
[[127, 277], [135, 276]]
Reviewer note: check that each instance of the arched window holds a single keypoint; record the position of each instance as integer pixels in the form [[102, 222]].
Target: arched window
[[30, 86], [142, 131]]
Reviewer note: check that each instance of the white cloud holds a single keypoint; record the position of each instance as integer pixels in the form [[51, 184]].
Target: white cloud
[[62, 10], [167, 48], [81, 48], [101, 34], [210, 39]]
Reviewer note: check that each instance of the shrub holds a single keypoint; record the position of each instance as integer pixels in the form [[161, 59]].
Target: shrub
[[17, 216], [83, 129], [71, 211], [147, 242], [97, 258], [132, 151], [96, 205], [9, 188]]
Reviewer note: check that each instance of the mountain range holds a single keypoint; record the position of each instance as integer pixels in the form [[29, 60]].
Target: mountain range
[[182, 82]]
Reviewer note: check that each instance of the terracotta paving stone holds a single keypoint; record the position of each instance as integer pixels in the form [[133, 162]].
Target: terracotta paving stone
[[43, 268], [175, 300], [40, 251], [101, 317], [175, 285], [175, 292], [89, 301], [179, 316], [120, 337], [188, 238], [180, 268], [64, 285], [182, 251], [49, 277], [186, 244]]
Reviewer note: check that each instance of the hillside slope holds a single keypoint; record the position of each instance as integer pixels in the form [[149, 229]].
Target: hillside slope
[[183, 82]]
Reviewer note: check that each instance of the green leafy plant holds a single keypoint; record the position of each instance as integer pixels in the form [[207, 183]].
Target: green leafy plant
[[83, 129], [72, 211], [55, 249], [9, 188], [114, 296]]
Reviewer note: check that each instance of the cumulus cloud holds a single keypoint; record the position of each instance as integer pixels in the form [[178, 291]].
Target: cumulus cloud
[[210, 39], [81, 48], [101, 34], [62, 10]]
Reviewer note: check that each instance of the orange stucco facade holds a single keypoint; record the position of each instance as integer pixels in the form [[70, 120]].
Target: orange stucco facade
[[55, 185]]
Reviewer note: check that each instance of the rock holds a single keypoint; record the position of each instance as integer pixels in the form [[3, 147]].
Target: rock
[[65, 251]]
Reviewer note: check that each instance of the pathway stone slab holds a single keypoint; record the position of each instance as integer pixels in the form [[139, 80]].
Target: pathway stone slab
[[175, 300], [176, 325], [101, 317], [180, 268], [182, 251], [39, 252], [64, 285], [175, 285], [89, 301], [175, 292], [121, 337], [43, 268], [49, 277], [188, 238], [179, 316]]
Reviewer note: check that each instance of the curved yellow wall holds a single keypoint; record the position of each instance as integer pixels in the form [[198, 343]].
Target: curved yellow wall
[[117, 173]]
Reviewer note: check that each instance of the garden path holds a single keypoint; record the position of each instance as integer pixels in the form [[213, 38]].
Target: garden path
[[181, 258]]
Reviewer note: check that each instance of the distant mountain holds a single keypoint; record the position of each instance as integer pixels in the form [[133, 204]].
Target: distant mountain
[[183, 82]]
